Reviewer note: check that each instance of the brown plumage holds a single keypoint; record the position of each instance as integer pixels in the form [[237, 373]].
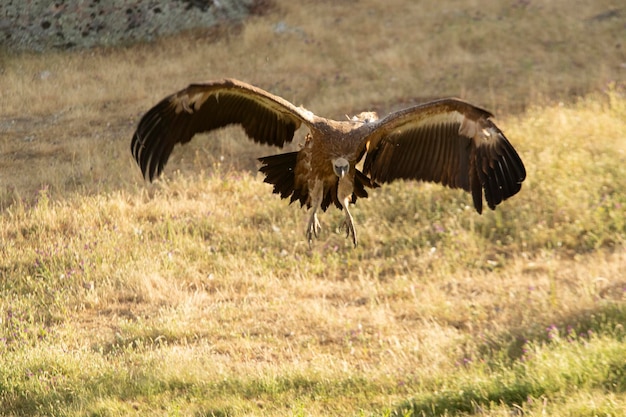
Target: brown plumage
[[446, 141]]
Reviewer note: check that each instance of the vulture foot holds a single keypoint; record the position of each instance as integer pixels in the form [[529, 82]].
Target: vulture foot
[[349, 226], [313, 228]]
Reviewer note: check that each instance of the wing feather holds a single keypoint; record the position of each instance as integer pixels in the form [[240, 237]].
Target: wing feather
[[446, 141], [200, 108]]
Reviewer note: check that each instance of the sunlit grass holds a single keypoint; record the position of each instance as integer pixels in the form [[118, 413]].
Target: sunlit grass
[[569, 374], [199, 295]]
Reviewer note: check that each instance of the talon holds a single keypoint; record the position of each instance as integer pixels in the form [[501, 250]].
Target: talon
[[313, 228], [350, 230], [347, 227]]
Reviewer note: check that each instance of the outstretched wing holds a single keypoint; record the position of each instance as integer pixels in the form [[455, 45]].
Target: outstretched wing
[[446, 141], [199, 108]]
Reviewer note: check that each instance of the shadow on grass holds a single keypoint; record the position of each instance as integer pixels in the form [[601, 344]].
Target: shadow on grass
[[472, 398], [226, 412], [582, 324], [469, 401]]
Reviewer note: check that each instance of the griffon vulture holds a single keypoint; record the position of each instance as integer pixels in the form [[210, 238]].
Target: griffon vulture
[[446, 141]]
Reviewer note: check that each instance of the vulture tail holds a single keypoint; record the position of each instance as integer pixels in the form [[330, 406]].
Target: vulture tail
[[279, 171]]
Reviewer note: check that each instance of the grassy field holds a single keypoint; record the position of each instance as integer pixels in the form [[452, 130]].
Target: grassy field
[[198, 295]]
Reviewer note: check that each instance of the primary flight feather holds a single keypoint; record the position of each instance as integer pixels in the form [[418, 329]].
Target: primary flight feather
[[446, 141]]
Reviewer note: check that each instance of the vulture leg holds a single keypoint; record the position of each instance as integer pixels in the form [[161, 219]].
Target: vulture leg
[[348, 223], [316, 195], [344, 195]]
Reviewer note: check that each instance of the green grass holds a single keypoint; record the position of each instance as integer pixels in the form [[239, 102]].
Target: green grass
[[565, 374], [199, 295], [190, 300]]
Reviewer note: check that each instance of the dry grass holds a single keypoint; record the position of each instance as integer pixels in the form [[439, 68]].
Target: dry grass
[[79, 107], [199, 296]]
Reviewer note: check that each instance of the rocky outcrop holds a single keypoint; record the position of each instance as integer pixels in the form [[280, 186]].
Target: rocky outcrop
[[46, 24]]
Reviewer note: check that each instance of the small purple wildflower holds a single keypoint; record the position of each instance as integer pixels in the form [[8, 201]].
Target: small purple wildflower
[[552, 331]]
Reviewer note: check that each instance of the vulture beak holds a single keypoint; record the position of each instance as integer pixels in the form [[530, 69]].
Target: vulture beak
[[341, 167]]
